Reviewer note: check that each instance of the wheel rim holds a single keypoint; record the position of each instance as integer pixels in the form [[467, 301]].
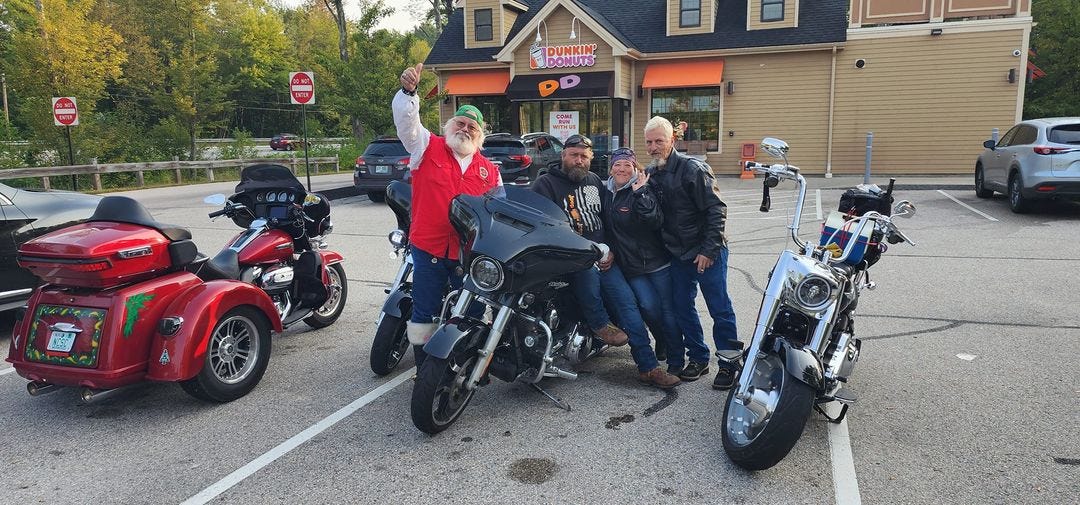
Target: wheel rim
[[233, 349], [979, 179], [452, 395], [334, 298], [401, 344], [745, 423], [1014, 191]]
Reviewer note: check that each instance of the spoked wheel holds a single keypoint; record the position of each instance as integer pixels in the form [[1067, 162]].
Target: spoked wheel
[[337, 292], [1017, 202], [980, 184], [439, 395], [390, 344], [236, 357], [760, 433]]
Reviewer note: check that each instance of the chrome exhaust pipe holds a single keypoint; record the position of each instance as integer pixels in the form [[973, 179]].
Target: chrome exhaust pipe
[[40, 388], [88, 395]]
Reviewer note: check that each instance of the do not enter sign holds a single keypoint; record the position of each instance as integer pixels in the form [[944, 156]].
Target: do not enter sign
[[65, 112], [302, 87]]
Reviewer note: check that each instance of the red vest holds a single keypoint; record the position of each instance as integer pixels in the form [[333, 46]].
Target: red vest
[[435, 182]]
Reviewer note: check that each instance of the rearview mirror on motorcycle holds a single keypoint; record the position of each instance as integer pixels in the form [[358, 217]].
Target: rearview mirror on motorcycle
[[904, 208], [775, 147], [215, 199]]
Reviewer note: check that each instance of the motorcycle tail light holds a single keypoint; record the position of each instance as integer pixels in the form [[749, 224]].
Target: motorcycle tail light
[[95, 266]]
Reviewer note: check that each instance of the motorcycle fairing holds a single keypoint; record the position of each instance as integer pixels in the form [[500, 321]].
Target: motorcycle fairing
[[455, 330], [200, 307]]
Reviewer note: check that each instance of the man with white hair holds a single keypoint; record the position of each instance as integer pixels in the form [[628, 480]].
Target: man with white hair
[[693, 232], [441, 168]]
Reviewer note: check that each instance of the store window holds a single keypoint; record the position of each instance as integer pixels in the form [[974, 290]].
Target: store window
[[482, 18], [699, 107], [496, 111], [606, 121], [689, 13], [772, 10]]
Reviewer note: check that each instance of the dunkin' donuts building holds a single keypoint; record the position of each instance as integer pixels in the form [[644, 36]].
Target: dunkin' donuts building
[[929, 78]]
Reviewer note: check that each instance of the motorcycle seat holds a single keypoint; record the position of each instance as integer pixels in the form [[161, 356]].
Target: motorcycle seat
[[121, 209]]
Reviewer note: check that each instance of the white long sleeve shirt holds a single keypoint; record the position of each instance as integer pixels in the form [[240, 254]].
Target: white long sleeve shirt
[[412, 133]]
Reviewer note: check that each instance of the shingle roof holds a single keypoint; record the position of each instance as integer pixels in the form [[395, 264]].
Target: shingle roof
[[639, 26]]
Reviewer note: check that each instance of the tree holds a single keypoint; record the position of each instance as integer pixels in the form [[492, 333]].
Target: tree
[[1058, 54]]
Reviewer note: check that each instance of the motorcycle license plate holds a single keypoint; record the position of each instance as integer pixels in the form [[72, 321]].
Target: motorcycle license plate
[[61, 341], [382, 169]]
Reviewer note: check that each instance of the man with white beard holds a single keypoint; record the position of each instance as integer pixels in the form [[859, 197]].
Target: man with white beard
[[441, 168]]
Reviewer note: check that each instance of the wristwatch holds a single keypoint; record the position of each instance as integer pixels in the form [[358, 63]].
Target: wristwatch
[[407, 92]]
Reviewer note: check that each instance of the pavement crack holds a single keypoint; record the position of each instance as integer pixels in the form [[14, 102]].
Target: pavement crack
[[972, 321]]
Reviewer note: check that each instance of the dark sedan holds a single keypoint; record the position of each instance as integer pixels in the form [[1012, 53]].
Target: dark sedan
[[25, 214]]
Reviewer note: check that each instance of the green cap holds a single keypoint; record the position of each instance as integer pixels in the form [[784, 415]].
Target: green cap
[[470, 112]]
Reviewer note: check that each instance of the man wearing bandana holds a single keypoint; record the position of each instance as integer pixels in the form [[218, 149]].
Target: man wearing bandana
[[441, 168]]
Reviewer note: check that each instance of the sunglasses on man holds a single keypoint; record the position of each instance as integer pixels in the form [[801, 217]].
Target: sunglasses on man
[[578, 141]]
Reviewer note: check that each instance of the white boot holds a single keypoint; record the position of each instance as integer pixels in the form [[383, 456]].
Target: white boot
[[420, 333]]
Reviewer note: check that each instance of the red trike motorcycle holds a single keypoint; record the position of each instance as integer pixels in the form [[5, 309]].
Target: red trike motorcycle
[[128, 299]]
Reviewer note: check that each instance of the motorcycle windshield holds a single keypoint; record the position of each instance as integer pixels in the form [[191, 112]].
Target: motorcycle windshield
[[267, 176], [526, 232]]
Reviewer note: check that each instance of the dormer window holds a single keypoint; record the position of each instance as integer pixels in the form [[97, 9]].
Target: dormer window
[[482, 19], [772, 10], [689, 13]]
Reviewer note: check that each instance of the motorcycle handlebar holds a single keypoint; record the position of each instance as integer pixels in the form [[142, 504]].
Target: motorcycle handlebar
[[217, 213]]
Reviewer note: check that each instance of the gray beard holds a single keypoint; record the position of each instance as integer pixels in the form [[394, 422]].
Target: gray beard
[[462, 145], [575, 174]]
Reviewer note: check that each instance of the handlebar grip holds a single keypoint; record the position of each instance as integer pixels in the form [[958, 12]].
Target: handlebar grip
[[217, 213], [766, 202], [888, 192]]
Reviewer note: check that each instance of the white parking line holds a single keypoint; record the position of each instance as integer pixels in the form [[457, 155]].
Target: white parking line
[[208, 494], [7, 370], [973, 209], [845, 485], [818, 196]]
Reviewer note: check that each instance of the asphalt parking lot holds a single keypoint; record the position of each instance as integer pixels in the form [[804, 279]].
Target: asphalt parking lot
[[968, 386]]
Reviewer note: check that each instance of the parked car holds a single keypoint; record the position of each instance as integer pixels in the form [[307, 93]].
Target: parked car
[[25, 214], [384, 159], [286, 142], [544, 148], [509, 153], [1037, 159]]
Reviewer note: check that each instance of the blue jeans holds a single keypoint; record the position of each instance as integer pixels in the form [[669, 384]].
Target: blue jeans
[[430, 276], [685, 280], [654, 297], [594, 289]]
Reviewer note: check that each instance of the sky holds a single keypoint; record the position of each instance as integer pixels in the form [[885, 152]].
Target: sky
[[400, 20]]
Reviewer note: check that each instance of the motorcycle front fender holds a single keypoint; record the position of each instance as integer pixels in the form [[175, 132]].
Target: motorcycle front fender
[[396, 303], [803, 365], [331, 257], [449, 334]]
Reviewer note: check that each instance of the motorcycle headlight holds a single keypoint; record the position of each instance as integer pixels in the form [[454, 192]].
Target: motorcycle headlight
[[397, 239], [813, 292], [486, 273]]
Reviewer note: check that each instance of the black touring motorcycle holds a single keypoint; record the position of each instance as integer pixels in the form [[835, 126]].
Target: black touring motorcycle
[[517, 247]]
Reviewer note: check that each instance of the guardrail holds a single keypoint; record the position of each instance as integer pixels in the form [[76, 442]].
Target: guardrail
[[176, 166]]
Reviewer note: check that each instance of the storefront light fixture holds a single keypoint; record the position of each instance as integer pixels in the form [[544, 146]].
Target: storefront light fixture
[[538, 39], [573, 34]]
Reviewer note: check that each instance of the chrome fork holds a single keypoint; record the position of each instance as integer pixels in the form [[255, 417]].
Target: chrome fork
[[487, 352]]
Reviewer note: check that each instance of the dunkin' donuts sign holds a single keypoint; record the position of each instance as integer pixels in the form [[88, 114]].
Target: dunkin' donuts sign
[[578, 55]]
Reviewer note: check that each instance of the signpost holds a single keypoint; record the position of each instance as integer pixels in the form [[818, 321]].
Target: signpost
[[66, 114], [302, 92]]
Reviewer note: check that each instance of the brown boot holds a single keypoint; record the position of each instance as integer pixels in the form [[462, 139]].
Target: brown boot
[[612, 335], [659, 378]]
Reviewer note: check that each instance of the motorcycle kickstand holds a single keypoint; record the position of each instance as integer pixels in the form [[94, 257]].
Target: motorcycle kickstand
[[557, 401], [839, 417]]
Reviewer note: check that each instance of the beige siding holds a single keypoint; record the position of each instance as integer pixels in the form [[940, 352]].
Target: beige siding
[[930, 101], [509, 18], [708, 13], [558, 34], [470, 23], [753, 16], [625, 87]]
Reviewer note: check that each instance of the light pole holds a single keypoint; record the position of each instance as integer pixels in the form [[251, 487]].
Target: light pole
[[3, 83]]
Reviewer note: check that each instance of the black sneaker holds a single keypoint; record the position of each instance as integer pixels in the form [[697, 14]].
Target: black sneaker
[[694, 371], [675, 370], [726, 374]]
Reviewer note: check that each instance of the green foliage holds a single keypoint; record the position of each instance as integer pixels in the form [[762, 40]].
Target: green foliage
[[242, 146], [1058, 54]]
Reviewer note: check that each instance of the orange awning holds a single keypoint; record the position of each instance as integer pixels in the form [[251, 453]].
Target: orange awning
[[479, 82], [682, 74]]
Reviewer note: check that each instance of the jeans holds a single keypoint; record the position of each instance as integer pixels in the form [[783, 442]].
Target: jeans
[[654, 297], [610, 288], [685, 280], [430, 276]]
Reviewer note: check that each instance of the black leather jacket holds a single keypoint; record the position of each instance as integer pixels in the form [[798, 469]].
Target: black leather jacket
[[694, 214], [633, 220]]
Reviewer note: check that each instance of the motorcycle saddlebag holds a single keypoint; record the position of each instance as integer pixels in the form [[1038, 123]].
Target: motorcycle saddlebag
[[857, 202]]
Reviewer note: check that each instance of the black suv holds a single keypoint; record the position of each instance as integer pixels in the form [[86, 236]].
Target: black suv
[[385, 159], [511, 156]]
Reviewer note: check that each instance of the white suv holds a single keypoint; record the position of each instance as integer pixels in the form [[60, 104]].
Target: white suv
[[1037, 159]]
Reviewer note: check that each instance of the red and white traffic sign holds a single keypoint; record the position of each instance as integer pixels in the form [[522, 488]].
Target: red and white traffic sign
[[302, 87], [65, 112]]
